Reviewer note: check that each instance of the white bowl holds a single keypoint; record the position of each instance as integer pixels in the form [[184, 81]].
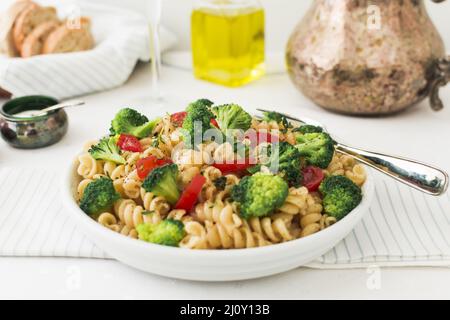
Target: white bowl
[[212, 265]]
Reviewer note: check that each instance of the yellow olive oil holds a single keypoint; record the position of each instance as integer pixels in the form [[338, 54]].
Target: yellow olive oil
[[228, 44]]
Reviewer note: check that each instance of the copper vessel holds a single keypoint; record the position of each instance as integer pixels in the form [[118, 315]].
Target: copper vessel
[[368, 57]]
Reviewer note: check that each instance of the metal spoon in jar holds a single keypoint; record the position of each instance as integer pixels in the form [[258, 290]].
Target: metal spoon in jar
[[418, 175], [43, 112]]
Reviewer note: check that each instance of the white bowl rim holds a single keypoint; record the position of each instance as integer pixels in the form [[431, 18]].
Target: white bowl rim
[[71, 203]]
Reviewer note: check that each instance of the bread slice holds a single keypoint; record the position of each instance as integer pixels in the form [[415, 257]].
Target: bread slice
[[70, 39], [7, 21], [29, 19], [34, 43]]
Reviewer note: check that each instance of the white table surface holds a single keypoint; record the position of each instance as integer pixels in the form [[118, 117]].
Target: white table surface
[[418, 133]]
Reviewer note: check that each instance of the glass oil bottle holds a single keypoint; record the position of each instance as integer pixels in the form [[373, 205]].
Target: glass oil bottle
[[228, 41]]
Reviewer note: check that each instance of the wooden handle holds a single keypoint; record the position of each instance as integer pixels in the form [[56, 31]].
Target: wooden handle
[[4, 94]]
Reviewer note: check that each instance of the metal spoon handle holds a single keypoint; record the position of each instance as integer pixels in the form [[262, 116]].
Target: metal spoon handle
[[65, 104], [415, 174]]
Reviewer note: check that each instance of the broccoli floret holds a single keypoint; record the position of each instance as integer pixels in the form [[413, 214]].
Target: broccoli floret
[[340, 196], [205, 102], [232, 116], [197, 122], [260, 195], [307, 128], [162, 182], [316, 148], [289, 164], [278, 118], [167, 232], [99, 196], [220, 183], [107, 150], [130, 121], [285, 161], [331, 182]]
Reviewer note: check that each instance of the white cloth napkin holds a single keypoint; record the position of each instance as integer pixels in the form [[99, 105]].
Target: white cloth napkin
[[121, 41], [403, 227]]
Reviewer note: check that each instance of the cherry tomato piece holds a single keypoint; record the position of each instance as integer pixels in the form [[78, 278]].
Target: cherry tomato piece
[[178, 118], [214, 123], [147, 165], [312, 178], [127, 142]]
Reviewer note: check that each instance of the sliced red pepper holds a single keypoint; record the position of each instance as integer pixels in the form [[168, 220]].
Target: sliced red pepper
[[261, 137], [178, 118], [145, 166], [127, 142], [312, 178], [190, 195], [236, 166]]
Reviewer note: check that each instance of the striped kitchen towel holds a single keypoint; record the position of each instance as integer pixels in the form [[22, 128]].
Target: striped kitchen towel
[[122, 39], [403, 227]]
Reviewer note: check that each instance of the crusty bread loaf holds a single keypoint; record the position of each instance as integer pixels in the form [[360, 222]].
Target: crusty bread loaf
[[7, 21], [67, 39], [29, 19], [34, 43]]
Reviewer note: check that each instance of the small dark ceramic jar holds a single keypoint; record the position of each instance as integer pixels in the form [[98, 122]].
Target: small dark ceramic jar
[[31, 132]]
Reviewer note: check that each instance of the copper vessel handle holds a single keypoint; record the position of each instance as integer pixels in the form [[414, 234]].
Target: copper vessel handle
[[441, 76]]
